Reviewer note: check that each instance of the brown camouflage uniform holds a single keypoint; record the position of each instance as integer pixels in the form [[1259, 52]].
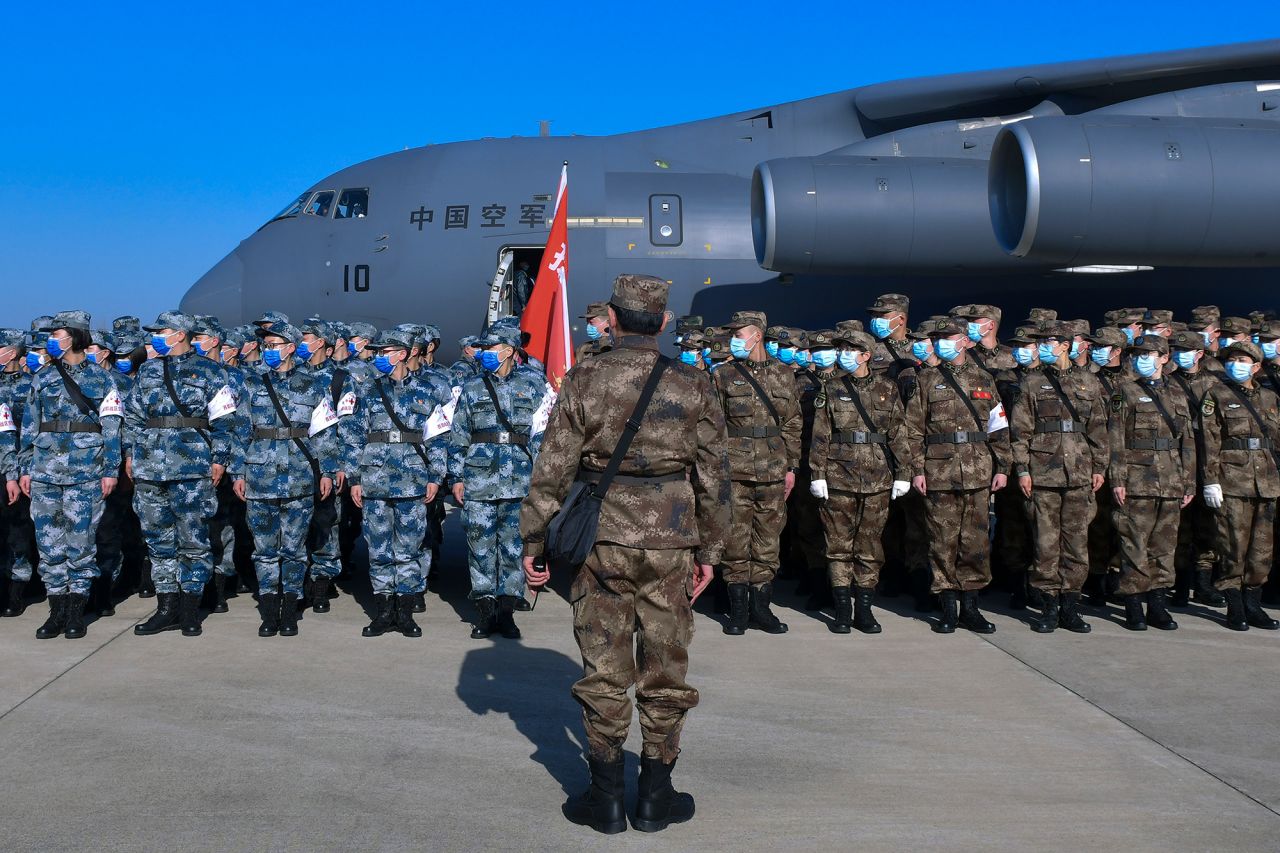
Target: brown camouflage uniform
[[1104, 547], [1198, 525], [631, 611], [804, 526], [1061, 452]]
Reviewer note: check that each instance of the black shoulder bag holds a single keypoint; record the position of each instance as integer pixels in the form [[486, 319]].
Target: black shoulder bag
[[572, 532], [395, 419], [871, 427], [288, 424]]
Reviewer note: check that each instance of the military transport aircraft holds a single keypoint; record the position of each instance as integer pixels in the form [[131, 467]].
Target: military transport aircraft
[[1080, 185]]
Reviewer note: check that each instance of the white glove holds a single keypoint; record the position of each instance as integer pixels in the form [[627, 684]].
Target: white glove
[[900, 488], [1213, 496], [818, 488]]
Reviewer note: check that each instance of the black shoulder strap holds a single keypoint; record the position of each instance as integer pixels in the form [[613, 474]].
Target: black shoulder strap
[[950, 379], [866, 419], [177, 404], [1164, 413], [395, 419], [497, 409], [631, 428], [1248, 404], [335, 385], [1107, 384], [73, 390], [286, 424], [764, 398], [1066, 401]]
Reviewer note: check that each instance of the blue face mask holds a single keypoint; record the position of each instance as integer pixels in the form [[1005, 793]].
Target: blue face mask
[[1208, 339], [1046, 353], [383, 363], [689, 357], [706, 352], [947, 349], [787, 355], [1128, 334], [272, 358], [824, 358], [880, 327], [35, 361], [54, 348], [199, 347], [975, 332], [1025, 356], [490, 361], [1145, 365], [1223, 343], [1075, 351], [1239, 371], [593, 333], [738, 347], [1268, 349], [1185, 358], [921, 350], [1100, 355], [771, 347], [92, 356], [1255, 340], [304, 352], [802, 358], [352, 348], [160, 344], [849, 360], [124, 365]]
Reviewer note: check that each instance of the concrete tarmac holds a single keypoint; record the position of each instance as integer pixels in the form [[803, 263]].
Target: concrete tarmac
[[809, 741]]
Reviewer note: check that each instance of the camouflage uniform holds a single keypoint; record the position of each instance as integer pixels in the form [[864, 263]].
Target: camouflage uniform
[[804, 534], [464, 368], [631, 611], [1104, 545], [17, 533], [595, 311]]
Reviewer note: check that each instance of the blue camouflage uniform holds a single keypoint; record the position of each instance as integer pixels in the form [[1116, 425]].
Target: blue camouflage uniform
[[173, 446], [222, 525], [17, 533], [464, 368], [111, 527]]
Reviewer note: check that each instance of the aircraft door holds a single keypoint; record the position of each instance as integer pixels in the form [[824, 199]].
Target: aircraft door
[[666, 223]]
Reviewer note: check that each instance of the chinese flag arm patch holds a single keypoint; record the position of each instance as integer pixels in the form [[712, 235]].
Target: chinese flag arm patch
[[980, 395]]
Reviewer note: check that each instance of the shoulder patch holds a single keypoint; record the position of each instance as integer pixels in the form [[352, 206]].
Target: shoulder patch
[[1144, 400], [1233, 405], [1207, 407], [1046, 387], [942, 387]]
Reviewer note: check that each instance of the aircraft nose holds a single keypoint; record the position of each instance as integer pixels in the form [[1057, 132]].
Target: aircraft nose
[[219, 292]]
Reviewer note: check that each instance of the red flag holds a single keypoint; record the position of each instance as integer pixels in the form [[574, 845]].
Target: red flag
[[546, 317]]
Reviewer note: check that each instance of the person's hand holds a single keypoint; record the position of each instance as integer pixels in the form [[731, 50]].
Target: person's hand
[[216, 471], [340, 481], [1098, 480], [326, 487], [702, 575], [357, 496], [1212, 496], [433, 489], [128, 467], [25, 484], [818, 488], [238, 487], [1118, 492], [458, 490], [790, 481], [1024, 483], [535, 578], [108, 485], [999, 481], [1186, 499], [918, 483], [898, 489], [13, 490]]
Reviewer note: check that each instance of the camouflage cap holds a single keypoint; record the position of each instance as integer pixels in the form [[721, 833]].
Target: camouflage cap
[[946, 327], [823, 339], [742, 319], [41, 322], [925, 330], [1157, 317], [37, 340], [127, 341], [596, 311], [1248, 348], [694, 340], [319, 328], [1057, 331], [341, 331], [68, 320], [126, 323], [1037, 316], [800, 339], [287, 331], [1150, 343], [175, 320], [1268, 330], [1232, 326], [776, 333], [1025, 335], [640, 293], [1124, 316], [413, 330], [500, 334], [687, 322], [978, 311], [234, 337], [1258, 316], [887, 303], [392, 339], [856, 340], [207, 324], [1186, 340], [13, 338], [270, 318], [368, 331], [1178, 326], [1205, 315], [1108, 336], [468, 341], [432, 333], [102, 338], [850, 326], [1079, 328]]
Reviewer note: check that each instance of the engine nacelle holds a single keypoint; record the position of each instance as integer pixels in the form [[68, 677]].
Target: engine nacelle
[[1076, 190], [837, 213]]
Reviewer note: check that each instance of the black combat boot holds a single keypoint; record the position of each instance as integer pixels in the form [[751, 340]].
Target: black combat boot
[[1253, 611], [1237, 618], [970, 616], [57, 620], [949, 600], [146, 586], [486, 608], [320, 595], [522, 604], [289, 615], [101, 592], [1095, 590], [164, 619], [269, 607], [405, 606], [1047, 622], [505, 624], [1069, 614], [739, 609], [219, 593], [1157, 611], [16, 606], [189, 614], [864, 618], [420, 602], [1134, 618], [75, 627], [1205, 592], [843, 623], [761, 615], [384, 619], [1181, 588], [659, 804], [600, 806]]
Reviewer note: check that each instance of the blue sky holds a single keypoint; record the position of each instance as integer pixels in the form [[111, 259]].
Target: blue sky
[[139, 143]]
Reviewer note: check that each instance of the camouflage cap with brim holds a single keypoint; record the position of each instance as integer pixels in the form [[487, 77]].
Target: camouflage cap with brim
[[1239, 348], [1268, 330], [855, 339], [1186, 340], [1108, 336], [392, 339], [127, 342], [776, 333], [1205, 315], [1231, 326], [1036, 316], [945, 328], [468, 341], [175, 320], [102, 338], [742, 319], [270, 318], [126, 323], [888, 303], [850, 326], [800, 339], [285, 331], [1157, 317], [319, 328], [595, 311], [646, 293], [206, 324], [978, 311], [1150, 343], [367, 331], [822, 339], [1025, 335], [687, 322], [68, 320], [40, 322], [694, 340], [234, 337], [13, 338]]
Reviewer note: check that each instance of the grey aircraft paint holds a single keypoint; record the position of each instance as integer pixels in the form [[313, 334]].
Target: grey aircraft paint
[[807, 209]]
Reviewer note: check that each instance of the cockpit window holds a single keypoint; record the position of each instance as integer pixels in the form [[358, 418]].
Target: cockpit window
[[353, 204], [295, 208], [320, 204]]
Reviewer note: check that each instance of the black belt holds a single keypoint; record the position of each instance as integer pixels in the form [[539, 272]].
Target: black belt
[[395, 436], [754, 432], [500, 437], [68, 426], [1067, 425], [1250, 443], [859, 436], [177, 423], [961, 437], [279, 433], [1155, 444], [623, 479]]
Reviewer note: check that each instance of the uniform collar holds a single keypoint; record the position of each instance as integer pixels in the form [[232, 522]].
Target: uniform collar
[[636, 342]]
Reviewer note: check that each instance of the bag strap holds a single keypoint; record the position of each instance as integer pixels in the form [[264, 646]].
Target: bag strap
[[631, 428], [764, 398], [177, 404], [335, 385], [73, 390], [1057, 387], [286, 423], [1248, 404], [395, 419], [1164, 413], [950, 379], [866, 418], [497, 408]]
